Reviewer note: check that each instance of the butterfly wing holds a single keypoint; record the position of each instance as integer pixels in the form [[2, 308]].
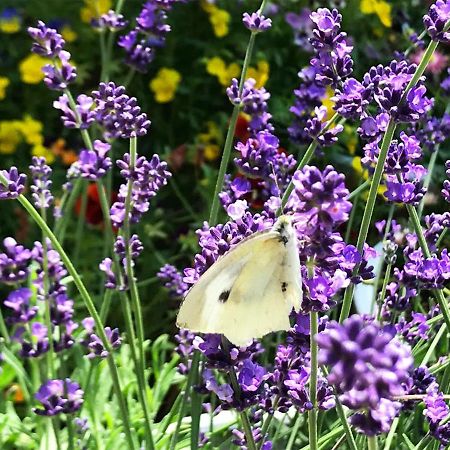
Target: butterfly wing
[[248, 292]]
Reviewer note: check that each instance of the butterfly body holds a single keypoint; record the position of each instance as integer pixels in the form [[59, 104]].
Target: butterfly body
[[250, 291]]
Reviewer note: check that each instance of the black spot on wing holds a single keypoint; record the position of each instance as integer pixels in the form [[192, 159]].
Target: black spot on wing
[[224, 295], [284, 286]]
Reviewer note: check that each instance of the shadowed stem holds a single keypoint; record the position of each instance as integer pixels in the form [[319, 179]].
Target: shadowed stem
[[372, 443], [312, 413]]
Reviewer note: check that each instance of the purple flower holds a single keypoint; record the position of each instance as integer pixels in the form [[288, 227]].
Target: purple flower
[[446, 186], [14, 262], [139, 53], [256, 22], [315, 128], [82, 117], [172, 280], [436, 19], [320, 198], [37, 344], [59, 396], [18, 302], [13, 185], [106, 266], [95, 344], [110, 20], [352, 100], [224, 392], [48, 42], [251, 376], [332, 60], [118, 113], [40, 173], [93, 164], [61, 73], [367, 363], [302, 26], [147, 178]]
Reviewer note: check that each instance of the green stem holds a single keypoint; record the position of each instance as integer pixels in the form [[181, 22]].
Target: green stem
[[443, 304], [70, 433], [134, 293], [47, 318], [4, 329], [195, 363], [303, 162], [80, 223], [427, 181], [441, 237], [89, 306], [372, 443], [368, 211], [294, 432], [312, 413], [386, 278], [66, 210], [361, 188]]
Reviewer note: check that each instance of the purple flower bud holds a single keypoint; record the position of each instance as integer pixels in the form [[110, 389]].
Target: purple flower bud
[[59, 396], [94, 164], [14, 184], [48, 42], [436, 19], [14, 262], [256, 22]]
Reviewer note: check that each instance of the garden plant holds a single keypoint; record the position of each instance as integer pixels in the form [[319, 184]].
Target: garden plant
[[141, 141]]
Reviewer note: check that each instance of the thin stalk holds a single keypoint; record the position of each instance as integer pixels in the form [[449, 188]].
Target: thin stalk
[[303, 162], [70, 434], [190, 381], [47, 318], [391, 434], [231, 129], [80, 223], [361, 188], [294, 432], [4, 329], [368, 211], [268, 421], [348, 432], [386, 278], [312, 413], [136, 359], [351, 219], [427, 181], [372, 443], [433, 345], [89, 306], [66, 210], [441, 237], [426, 251]]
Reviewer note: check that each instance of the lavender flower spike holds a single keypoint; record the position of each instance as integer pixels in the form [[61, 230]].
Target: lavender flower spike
[[93, 164], [14, 184], [41, 173], [59, 396], [436, 19], [48, 42], [256, 22]]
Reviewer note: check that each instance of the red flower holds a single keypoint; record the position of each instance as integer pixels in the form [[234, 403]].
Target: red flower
[[94, 214]]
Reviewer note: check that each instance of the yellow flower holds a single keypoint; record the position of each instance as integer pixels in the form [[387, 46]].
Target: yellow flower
[[31, 68], [363, 172], [165, 84], [31, 130], [68, 33], [4, 83], [219, 19], [10, 21], [379, 7], [10, 136], [260, 73], [93, 9], [328, 103], [216, 66], [211, 141], [211, 152], [40, 150]]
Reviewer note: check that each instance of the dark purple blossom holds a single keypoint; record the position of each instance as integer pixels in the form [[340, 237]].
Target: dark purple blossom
[[446, 186], [118, 113], [172, 280], [59, 396], [111, 21], [12, 184], [256, 22], [14, 262], [48, 42], [351, 101], [368, 368], [436, 19], [82, 117], [61, 73], [93, 164], [34, 342], [317, 128], [147, 178], [18, 302]]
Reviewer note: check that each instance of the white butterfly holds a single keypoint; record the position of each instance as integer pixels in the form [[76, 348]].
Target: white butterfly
[[250, 291]]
